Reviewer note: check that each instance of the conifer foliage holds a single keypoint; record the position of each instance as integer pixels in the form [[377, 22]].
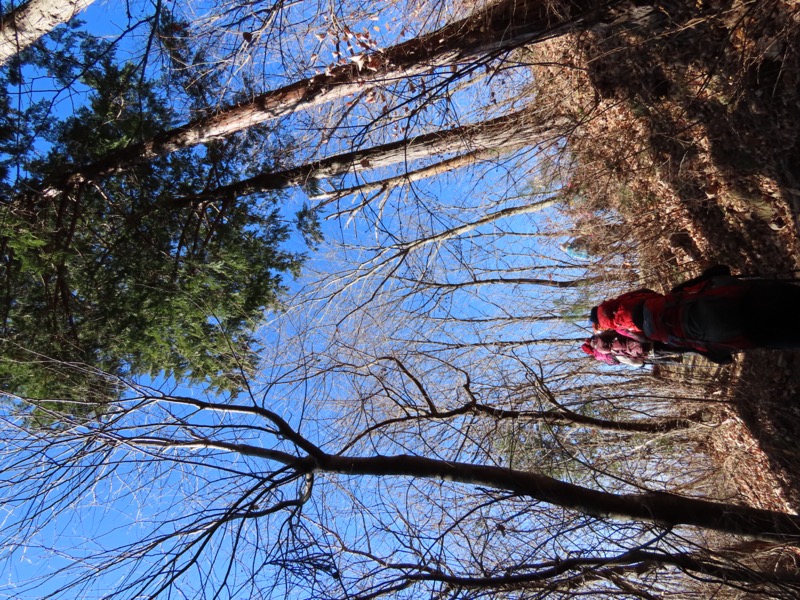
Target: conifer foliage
[[108, 276]]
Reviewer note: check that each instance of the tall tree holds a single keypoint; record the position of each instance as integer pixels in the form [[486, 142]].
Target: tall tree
[[267, 502], [106, 278], [485, 139], [466, 44]]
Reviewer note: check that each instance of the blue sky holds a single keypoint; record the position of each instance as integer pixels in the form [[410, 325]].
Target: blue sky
[[330, 327]]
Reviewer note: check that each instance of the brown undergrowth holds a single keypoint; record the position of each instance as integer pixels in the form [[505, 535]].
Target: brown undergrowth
[[685, 154]]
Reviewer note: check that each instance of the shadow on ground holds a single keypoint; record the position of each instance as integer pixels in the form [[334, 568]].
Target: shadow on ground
[[767, 398]]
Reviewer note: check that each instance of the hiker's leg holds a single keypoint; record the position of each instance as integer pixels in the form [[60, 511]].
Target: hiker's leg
[[772, 314]]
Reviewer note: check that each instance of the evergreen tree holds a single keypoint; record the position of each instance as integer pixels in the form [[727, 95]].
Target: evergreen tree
[[110, 276]]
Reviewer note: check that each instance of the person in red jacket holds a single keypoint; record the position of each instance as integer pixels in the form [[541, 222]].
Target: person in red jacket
[[715, 314]]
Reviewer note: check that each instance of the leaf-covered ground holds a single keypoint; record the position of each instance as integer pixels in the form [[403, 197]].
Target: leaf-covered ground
[[689, 123]]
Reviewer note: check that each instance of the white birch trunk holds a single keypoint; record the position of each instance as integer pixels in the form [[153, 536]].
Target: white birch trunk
[[30, 21]]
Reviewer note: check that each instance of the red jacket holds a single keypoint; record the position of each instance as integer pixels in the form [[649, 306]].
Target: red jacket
[[617, 314], [666, 315]]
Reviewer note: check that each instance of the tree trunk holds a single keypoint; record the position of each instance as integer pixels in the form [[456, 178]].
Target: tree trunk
[[444, 166], [663, 508], [506, 133], [499, 28], [27, 23], [555, 283]]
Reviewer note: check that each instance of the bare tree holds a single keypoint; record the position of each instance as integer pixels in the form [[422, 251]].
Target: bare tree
[[480, 140], [467, 44], [422, 425], [271, 506]]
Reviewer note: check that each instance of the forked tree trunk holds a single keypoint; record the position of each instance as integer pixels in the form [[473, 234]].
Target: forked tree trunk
[[503, 26], [663, 508], [30, 21]]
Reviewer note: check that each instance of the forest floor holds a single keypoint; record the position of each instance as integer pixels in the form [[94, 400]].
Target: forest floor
[[690, 130]]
